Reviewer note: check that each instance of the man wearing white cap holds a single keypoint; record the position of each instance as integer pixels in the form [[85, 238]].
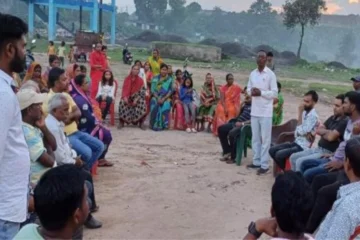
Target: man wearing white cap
[[40, 141]]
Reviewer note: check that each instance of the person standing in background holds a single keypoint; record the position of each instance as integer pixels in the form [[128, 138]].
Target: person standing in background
[[98, 64], [62, 53], [270, 61], [262, 86], [14, 152]]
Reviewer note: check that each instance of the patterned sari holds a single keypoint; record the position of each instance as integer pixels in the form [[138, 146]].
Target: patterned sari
[[149, 77], [231, 95], [159, 114], [178, 110], [88, 121], [133, 90], [209, 93]]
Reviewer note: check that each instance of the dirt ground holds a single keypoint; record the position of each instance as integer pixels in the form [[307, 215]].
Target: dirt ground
[[184, 192]]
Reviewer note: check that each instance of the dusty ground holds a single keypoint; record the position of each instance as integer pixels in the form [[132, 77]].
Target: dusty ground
[[184, 192]]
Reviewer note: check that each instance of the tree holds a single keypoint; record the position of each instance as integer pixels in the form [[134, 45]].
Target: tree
[[303, 13], [346, 54], [193, 8], [176, 16], [260, 7], [150, 10]]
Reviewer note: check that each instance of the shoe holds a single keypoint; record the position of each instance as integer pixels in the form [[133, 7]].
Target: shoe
[[230, 161], [225, 157], [188, 130], [262, 171], [193, 130], [92, 223], [252, 166]]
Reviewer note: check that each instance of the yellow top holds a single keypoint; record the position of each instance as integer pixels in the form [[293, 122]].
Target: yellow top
[[72, 127], [51, 50]]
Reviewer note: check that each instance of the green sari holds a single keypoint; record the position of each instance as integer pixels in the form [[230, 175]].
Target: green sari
[[208, 93], [278, 113]]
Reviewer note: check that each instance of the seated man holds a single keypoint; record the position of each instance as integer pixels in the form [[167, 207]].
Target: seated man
[[312, 167], [342, 220], [39, 139], [89, 147], [230, 131], [331, 135], [307, 121], [61, 205], [291, 204], [58, 107]]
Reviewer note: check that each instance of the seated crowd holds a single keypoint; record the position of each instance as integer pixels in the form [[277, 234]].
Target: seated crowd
[[61, 117]]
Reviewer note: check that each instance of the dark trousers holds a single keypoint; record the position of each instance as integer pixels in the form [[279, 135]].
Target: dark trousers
[[91, 189], [106, 110], [283, 151], [325, 188], [227, 135]]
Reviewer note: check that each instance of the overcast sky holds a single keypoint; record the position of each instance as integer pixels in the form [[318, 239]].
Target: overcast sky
[[334, 6]]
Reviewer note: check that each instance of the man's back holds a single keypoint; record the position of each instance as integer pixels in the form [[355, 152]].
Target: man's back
[[14, 156]]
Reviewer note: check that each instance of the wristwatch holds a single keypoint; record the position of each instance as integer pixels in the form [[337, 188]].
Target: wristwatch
[[252, 230]]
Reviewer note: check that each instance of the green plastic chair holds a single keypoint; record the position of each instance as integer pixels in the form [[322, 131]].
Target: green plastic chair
[[243, 141]]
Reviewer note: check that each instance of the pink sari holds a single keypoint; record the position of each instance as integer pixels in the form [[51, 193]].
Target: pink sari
[[178, 110]]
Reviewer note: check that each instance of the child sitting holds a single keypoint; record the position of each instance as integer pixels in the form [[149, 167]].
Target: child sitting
[[186, 97], [106, 91]]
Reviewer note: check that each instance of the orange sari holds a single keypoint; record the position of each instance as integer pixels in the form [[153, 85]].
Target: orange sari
[[231, 97]]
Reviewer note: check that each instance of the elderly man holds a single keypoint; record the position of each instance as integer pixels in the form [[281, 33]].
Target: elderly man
[[58, 107], [89, 147]]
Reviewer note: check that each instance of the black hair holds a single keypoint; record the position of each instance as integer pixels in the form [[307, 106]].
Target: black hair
[[52, 58], [177, 72], [80, 79], [104, 47], [354, 98], [270, 54], [228, 75], [341, 97], [54, 76], [163, 65], [83, 68], [313, 94], [62, 43], [138, 61], [58, 194], [111, 80], [51, 43], [278, 86], [191, 81], [262, 51], [352, 152], [292, 202], [11, 28]]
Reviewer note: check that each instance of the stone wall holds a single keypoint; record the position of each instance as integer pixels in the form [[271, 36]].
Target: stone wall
[[181, 51]]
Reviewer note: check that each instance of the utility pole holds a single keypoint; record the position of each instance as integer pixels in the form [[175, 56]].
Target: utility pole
[[81, 12], [100, 16]]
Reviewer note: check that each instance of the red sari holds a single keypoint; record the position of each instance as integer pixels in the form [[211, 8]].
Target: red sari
[[149, 76], [96, 58], [178, 110]]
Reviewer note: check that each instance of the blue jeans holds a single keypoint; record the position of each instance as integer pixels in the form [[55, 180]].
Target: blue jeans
[[314, 167], [89, 147], [8, 230]]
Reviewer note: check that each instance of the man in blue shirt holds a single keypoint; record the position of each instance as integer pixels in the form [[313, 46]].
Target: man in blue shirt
[[231, 130]]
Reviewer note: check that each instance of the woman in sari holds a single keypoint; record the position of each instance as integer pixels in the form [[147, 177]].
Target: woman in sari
[[178, 110], [33, 80], [149, 76], [229, 105], [160, 104], [132, 106], [209, 97], [155, 62], [88, 122]]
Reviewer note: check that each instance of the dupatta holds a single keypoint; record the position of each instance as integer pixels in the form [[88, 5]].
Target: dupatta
[[132, 84]]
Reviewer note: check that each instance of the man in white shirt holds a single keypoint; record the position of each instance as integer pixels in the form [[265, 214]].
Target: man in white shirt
[[58, 108], [14, 153], [262, 86]]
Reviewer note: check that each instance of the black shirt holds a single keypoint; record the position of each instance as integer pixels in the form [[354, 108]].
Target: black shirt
[[334, 123]]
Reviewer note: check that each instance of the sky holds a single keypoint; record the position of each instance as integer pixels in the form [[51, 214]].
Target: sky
[[334, 6]]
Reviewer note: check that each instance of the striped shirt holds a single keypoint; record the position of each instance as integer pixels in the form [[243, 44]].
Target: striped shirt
[[245, 114]]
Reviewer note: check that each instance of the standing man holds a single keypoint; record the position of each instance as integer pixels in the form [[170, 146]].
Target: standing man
[[98, 63], [356, 83], [262, 86], [14, 153]]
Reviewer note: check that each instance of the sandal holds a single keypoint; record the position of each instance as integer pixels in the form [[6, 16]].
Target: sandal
[[105, 163]]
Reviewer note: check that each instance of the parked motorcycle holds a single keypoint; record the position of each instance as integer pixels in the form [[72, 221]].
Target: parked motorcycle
[[29, 58], [128, 58]]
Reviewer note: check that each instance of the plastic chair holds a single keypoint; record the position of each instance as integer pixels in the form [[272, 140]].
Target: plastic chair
[[112, 106], [94, 168], [243, 141]]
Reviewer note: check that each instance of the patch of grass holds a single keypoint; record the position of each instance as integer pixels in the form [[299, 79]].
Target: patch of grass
[[184, 44], [328, 89]]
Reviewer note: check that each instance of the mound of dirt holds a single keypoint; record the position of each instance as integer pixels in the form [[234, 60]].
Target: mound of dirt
[[266, 48], [146, 36], [337, 65], [173, 38], [237, 50], [209, 42], [288, 55]]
